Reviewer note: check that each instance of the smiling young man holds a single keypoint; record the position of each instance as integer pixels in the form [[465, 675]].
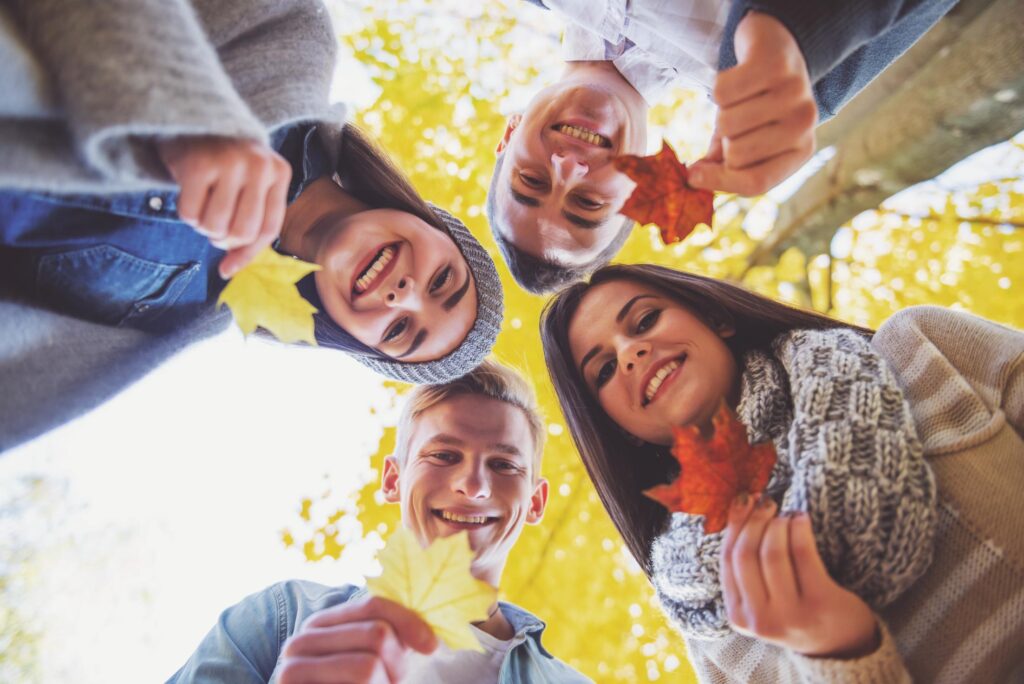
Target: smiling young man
[[775, 68], [467, 457]]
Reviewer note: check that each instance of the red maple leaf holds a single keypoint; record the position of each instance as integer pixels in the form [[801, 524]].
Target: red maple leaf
[[714, 471], [663, 195]]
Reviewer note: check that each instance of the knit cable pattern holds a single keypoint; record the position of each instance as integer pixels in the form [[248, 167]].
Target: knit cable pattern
[[848, 455]]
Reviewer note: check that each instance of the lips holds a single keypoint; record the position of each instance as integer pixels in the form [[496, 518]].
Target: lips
[[374, 268], [464, 519], [658, 376], [583, 134]]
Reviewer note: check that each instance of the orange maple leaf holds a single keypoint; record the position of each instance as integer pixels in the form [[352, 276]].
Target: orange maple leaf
[[714, 471], [663, 195]]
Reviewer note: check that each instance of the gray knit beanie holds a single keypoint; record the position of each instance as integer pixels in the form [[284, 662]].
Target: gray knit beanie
[[461, 360]]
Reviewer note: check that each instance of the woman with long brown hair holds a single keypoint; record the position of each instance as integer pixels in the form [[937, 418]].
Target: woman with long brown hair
[[842, 581]]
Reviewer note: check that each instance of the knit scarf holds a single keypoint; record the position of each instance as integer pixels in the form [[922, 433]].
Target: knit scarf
[[848, 455]]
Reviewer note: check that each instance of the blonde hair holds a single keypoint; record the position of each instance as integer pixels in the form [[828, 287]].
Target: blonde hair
[[490, 379]]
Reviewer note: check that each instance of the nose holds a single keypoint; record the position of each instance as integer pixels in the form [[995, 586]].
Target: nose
[[471, 480], [567, 167], [402, 293], [630, 353]]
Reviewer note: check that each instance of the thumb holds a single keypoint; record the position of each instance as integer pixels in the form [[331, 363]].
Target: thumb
[[707, 174]]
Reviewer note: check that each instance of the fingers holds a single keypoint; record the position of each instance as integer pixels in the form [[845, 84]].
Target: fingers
[[777, 565], [342, 668], [768, 142], [738, 514], [375, 637], [786, 102], [409, 627], [810, 572], [273, 218], [745, 558], [215, 220], [753, 180]]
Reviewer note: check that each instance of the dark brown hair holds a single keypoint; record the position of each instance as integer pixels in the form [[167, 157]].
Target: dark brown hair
[[368, 174], [620, 468]]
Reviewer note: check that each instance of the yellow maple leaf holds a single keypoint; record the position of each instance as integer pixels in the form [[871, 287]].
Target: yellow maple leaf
[[436, 583], [264, 294]]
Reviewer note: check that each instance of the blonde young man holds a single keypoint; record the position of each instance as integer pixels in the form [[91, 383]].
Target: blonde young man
[[468, 457]]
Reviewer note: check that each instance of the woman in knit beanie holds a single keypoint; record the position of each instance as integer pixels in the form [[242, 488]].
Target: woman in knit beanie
[[132, 110], [640, 349]]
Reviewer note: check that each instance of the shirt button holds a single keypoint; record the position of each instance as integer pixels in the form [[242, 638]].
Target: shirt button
[[143, 307], [156, 203]]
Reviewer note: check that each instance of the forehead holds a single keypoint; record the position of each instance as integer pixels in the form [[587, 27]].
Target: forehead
[[478, 421], [597, 312]]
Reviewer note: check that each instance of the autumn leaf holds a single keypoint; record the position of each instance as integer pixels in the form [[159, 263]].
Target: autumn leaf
[[714, 471], [263, 294], [663, 196], [436, 583]]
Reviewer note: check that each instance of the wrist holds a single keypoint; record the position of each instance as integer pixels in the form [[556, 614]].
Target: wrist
[[858, 646]]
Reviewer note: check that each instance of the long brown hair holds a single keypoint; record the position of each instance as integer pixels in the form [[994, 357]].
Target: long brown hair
[[619, 467]]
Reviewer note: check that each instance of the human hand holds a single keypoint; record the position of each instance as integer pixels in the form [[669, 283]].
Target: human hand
[[777, 588], [358, 642], [232, 191], [764, 129]]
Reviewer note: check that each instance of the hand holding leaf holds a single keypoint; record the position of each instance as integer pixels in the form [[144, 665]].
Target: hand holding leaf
[[663, 195], [435, 583], [264, 294], [714, 471]]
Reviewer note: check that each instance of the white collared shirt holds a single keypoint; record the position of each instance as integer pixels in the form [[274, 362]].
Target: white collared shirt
[[654, 44]]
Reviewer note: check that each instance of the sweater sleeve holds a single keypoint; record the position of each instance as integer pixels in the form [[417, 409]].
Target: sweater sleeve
[[129, 70], [845, 44], [858, 466], [959, 372], [740, 659]]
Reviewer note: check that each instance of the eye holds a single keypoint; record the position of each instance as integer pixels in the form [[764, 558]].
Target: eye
[[531, 181], [441, 280], [604, 373], [444, 456], [396, 329], [648, 320], [587, 203], [507, 467]]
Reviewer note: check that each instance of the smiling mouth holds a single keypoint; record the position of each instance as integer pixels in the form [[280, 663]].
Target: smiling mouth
[[583, 134], [464, 520], [660, 376], [380, 265]]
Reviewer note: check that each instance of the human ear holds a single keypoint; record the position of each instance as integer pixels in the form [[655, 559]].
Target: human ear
[[725, 330], [513, 121], [538, 502], [389, 480]]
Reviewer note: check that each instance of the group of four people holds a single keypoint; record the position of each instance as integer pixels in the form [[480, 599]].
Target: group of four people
[[152, 148]]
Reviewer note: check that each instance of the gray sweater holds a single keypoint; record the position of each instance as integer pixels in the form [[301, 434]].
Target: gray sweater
[[128, 71], [120, 73]]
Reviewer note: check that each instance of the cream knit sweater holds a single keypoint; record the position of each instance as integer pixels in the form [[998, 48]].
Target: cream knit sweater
[[963, 621]]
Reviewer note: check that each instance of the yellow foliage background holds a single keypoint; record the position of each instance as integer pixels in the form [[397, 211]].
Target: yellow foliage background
[[444, 70]]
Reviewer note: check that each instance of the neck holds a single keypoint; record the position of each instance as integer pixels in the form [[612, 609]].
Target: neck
[[496, 624], [604, 72], [304, 221]]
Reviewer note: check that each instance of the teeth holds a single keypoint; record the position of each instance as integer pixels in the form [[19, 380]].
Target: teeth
[[659, 378], [582, 134], [473, 519], [374, 269]]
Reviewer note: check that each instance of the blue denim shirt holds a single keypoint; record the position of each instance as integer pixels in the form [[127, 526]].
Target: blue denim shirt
[[126, 260], [245, 644]]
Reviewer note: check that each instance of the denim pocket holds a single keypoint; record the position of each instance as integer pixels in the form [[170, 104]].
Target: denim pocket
[[108, 285]]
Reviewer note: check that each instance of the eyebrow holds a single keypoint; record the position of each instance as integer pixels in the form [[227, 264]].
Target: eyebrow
[[623, 312], [417, 341], [574, 219], [452, 440], [457, 296]]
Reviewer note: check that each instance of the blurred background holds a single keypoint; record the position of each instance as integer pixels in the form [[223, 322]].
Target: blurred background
[[240, 463]]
